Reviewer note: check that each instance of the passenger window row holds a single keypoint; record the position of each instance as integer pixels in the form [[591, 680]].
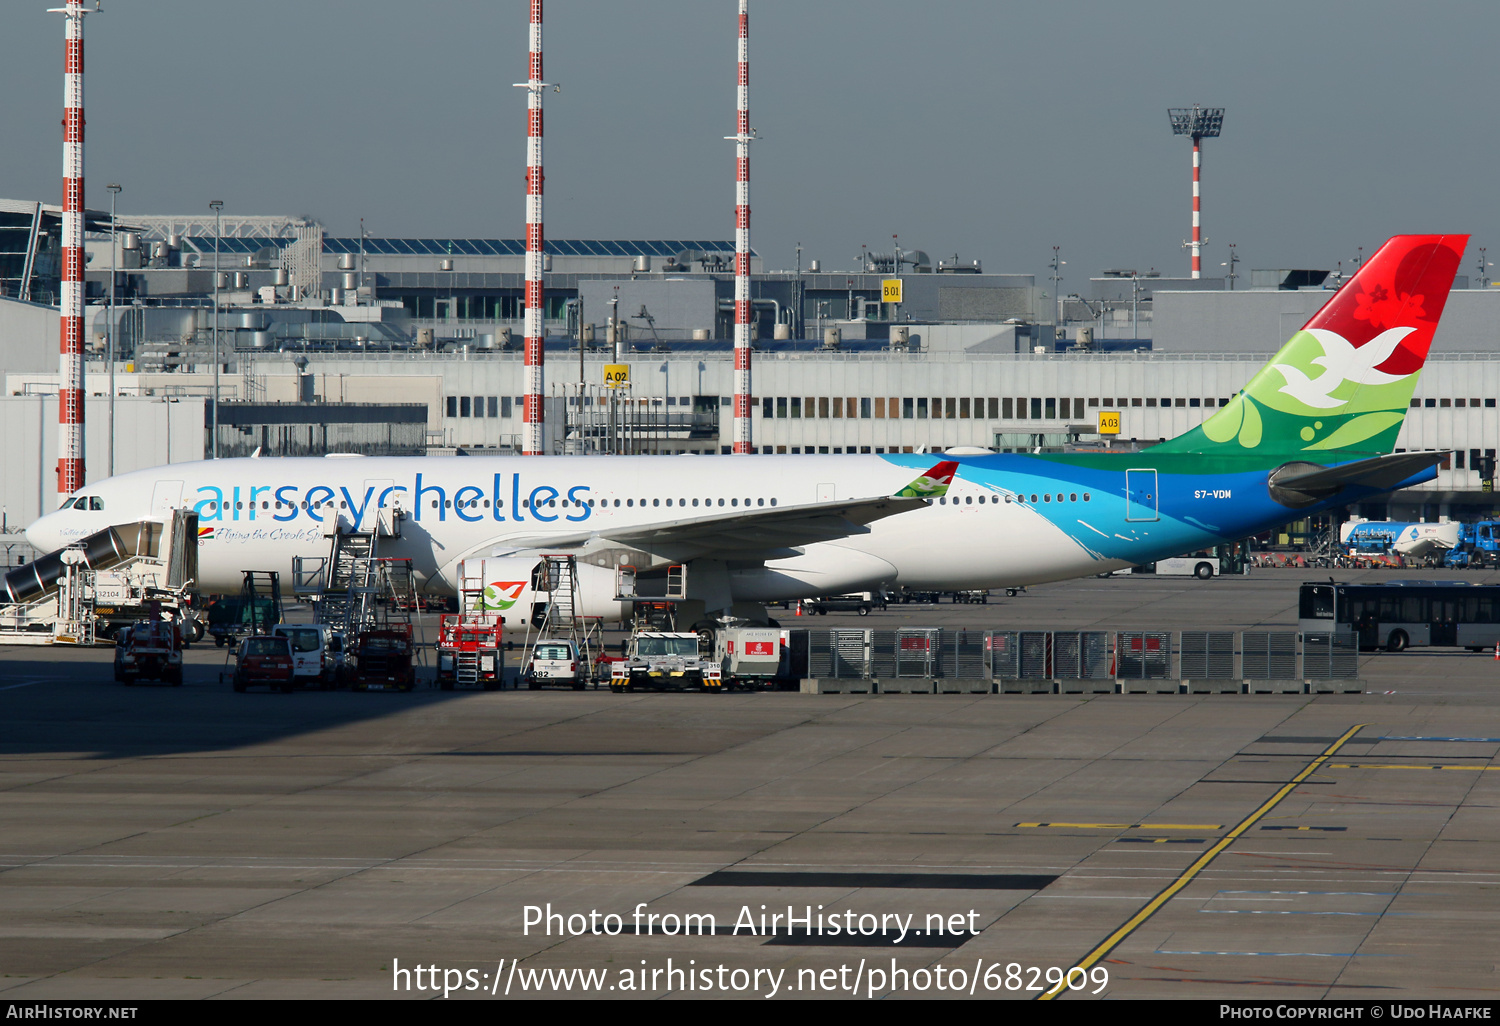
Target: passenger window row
[[961, 407]]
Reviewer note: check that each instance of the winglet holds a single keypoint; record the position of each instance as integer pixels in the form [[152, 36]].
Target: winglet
[[932, 484]]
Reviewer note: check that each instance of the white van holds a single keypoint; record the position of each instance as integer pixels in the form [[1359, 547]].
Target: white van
[[317, 653], [555, 663]]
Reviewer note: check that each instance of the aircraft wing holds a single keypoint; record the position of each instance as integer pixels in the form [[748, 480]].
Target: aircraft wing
[[760, 533]]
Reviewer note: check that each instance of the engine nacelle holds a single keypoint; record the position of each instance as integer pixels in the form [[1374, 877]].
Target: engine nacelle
[[516, 587], [824, 569]]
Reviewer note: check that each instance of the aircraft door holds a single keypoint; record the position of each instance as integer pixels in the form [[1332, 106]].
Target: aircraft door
[[375, 513], [165, 497], [1140, 495]]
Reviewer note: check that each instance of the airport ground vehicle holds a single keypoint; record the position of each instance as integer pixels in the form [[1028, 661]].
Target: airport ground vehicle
[[1478, 546], [383, 659], [264, 659], [1201, 565], [469, 650], [232, 617], [150, 649], [860, 602], [981, 597], [555, 662], [317, 654], [665, 659], [750, 657], [1400, 614]]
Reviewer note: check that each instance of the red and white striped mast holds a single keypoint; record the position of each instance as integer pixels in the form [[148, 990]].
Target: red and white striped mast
[[533, 417], [70, 363], [1197, 244], [742, 139], [1200, 123]]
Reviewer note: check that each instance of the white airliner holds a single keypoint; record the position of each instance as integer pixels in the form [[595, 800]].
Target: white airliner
[[752, 529]]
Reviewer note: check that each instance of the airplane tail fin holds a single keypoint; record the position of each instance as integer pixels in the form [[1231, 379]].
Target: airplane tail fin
[[1345, 381]]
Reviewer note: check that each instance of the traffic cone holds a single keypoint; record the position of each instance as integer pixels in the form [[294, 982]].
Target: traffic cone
[[799, 613]]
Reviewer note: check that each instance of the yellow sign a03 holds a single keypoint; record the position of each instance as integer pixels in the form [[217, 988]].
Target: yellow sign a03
[[616, 375], [1109, 422], [890, 290]]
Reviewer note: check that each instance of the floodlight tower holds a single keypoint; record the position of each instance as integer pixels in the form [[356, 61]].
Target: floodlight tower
[[1199, 123], [70, 357], [742, 139], [532, 417]]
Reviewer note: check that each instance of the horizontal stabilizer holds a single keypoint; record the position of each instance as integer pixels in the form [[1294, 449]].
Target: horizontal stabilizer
[[1304, 484]]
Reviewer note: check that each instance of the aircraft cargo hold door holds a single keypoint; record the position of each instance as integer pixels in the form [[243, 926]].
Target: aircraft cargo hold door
[[1140, 495]]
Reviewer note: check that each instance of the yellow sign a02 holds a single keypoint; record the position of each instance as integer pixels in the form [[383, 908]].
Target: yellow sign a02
[[1109, 422], [890, 290], [616, 375]]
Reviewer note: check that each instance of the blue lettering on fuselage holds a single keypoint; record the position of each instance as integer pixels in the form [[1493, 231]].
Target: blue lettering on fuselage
[[292, 503], [214, 500], [358, 508]]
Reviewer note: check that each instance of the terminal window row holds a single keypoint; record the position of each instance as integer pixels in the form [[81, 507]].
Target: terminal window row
[[504, 406], [1434, 404], [958, 408]]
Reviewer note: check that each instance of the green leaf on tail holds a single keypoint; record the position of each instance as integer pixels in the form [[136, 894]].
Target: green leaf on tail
[[1359, 429], [1251, 431], [1225, 424]]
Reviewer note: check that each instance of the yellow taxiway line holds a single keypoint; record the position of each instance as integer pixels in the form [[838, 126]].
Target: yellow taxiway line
[[1170, 891]]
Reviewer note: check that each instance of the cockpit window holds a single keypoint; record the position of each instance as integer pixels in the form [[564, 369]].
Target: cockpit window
[[95, 502]]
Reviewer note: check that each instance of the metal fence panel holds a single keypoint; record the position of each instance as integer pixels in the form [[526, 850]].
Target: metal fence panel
[[1143, 655], [1269, 655], [1067, 658], [850, 653], [1080, 655], [917, 652], [882, 654], [1330, 656], [964, 657], [1096, 655], [819, 653], [1003, 648], [1035, 654], [1207, 655]]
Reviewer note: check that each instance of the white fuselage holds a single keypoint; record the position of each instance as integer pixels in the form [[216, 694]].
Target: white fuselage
[[258, 514]]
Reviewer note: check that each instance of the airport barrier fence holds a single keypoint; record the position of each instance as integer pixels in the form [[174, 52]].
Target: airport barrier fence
[[1097, 655]]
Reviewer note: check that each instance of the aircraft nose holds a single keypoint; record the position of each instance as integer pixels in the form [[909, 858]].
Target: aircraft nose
[[41, 535]]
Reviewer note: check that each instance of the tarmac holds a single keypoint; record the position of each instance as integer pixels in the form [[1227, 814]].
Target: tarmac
[[191, 842]]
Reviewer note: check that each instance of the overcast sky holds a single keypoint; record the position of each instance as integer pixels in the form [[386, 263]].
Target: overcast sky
[[993, 130]]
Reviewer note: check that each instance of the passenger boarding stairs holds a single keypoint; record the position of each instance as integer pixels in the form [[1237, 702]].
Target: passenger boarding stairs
[[51, 599], [350, 581]]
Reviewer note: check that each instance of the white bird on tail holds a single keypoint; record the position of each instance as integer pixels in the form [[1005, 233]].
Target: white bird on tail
[[1342, 362]]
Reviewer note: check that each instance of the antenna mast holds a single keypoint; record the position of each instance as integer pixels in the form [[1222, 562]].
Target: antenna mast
[[742, 139], [70, 474], [533, 416]]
